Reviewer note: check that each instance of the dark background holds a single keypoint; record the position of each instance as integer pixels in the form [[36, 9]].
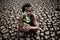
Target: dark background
[[47, 10]]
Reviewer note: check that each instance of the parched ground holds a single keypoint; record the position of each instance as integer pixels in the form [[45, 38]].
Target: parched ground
[[10, 13]]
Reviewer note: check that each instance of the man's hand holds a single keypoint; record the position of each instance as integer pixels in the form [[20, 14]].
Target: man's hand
[[26, 27]]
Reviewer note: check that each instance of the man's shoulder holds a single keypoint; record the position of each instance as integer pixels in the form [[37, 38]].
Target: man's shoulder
[[34, 15], [21, 15]]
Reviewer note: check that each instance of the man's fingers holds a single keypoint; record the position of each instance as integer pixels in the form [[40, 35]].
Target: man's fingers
[[26, 28]]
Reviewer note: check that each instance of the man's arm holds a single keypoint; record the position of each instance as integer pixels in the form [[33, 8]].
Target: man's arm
[[36, 23], [23, 26], [34, 20]]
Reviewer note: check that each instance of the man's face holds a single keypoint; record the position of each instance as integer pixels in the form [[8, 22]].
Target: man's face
[[29, 9]]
